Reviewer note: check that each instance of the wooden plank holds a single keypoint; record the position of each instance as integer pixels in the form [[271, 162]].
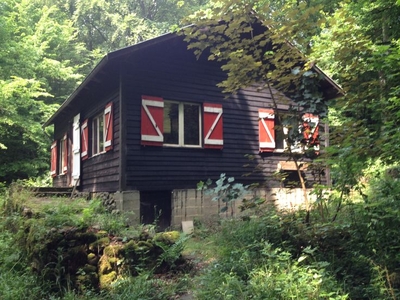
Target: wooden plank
[[291, 166]]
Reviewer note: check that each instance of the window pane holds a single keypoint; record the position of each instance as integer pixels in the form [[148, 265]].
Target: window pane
[[191, 124], [290, 127], [101, 133], [61, 157], [95, 127], [171, 123], [279, 137]]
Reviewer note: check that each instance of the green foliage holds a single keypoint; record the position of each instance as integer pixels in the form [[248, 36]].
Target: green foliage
[[274, 255], [47, 48], [19, 285], [226, 191], [114, 223], [16, 281], [277, 256], [380, 216], [171, 251], [35, 75], [264, 57], [262, 45], [251, 266], [142, 287], [360, 49], [25, 153], [105, 26], [52, 252], [282, 278]]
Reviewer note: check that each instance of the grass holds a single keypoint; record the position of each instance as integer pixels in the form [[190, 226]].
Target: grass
[[202, 248], [41, 204], [267, 256]]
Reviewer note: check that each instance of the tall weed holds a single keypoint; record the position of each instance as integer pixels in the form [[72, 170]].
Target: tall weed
[[251, 264]]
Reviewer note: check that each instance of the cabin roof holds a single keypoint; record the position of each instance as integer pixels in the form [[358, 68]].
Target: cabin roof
[[116, 57], [109, 58]]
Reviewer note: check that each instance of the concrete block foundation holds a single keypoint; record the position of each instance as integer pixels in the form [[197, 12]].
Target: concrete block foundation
[[191, 204], [129, 201]]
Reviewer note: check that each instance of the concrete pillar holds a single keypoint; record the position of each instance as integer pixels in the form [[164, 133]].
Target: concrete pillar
[[129, 202]]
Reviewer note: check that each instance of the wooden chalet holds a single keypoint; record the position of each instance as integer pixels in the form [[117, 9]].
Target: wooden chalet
[[149, 122]]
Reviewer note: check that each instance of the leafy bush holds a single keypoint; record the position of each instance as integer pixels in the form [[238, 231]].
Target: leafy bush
[[46, 252], [16, 280], [20, 285], [275, 276], [253, 266]]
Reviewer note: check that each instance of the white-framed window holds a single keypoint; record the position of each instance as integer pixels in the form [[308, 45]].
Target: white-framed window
[[98, 134], [290, 129], [274, 134], [182, 124]]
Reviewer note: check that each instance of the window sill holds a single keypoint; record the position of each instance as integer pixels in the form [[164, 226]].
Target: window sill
[[97, 154], [279, 150], [182, 146], [285, 151]]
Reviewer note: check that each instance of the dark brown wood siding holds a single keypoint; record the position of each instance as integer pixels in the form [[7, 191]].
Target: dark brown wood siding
[[100, 172], [173, 73], [60, 129]]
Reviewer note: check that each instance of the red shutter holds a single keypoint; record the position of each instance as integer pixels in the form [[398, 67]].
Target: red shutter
[[152, 122], [65, 158], [213, 126], [84, 140], [108, 126], [311, 129], [53, 165], [266, 132]]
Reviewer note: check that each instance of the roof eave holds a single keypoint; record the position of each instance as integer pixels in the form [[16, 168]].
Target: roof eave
[[104, 61], [91, 75], [337, 87]]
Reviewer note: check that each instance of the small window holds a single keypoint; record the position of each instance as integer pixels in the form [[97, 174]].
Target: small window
[[54, 159], [98, 134], [291, 179], [181, 124], [62, 155], [289, 128]]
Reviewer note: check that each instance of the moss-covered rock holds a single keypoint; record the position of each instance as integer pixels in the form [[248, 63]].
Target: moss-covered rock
[[113, 261], [105, 266], [87, 282], [130, 246], [168, 238], [144, 245], [99, 244], [101, 233], [86, 237], [89, 268], [113, 250], [92, 259], [75, 258], [105, 280], [87, 259]]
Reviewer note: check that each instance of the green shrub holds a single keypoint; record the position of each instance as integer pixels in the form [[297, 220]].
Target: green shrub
[[20, 285], [281, 277], [276, 276]]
